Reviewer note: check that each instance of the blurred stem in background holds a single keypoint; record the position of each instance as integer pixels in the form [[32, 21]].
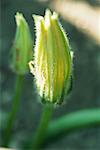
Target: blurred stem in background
[[15, 106], [43, 126], [75, 120]]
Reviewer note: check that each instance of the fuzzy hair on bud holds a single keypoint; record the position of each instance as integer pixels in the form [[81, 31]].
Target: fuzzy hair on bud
[[52, 59]]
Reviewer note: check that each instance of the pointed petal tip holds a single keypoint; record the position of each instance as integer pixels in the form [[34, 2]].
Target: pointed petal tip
[[48, 12], [55, 16], [37, 18], [18, 17]]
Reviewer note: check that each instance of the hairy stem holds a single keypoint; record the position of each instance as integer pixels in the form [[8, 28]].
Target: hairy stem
[[43, 125], [12, 115]]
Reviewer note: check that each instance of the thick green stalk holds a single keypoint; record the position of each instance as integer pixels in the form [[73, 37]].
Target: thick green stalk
[[42, 128], [12, 115], [72, 121]]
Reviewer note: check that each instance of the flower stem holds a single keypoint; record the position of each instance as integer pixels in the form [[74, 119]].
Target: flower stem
[[42, 128], [12, 115], [71, 122]]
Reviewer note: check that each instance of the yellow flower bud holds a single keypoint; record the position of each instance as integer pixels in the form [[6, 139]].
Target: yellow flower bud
[[52, 64], [22, 47]]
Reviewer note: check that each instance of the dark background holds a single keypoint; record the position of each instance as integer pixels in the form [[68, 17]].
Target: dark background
[[86, 89]]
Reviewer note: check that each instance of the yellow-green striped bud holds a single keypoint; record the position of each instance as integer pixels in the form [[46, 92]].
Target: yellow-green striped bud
[[52, 64], [21, 52]]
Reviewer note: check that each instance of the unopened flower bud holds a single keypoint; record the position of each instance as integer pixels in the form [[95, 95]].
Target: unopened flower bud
[[21, 52], [52, 64]]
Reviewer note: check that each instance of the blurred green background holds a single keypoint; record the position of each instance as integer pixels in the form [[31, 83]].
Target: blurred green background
[[86, 87]]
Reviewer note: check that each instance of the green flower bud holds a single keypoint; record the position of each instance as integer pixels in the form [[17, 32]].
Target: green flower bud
[[21, 52], [52, 64]]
